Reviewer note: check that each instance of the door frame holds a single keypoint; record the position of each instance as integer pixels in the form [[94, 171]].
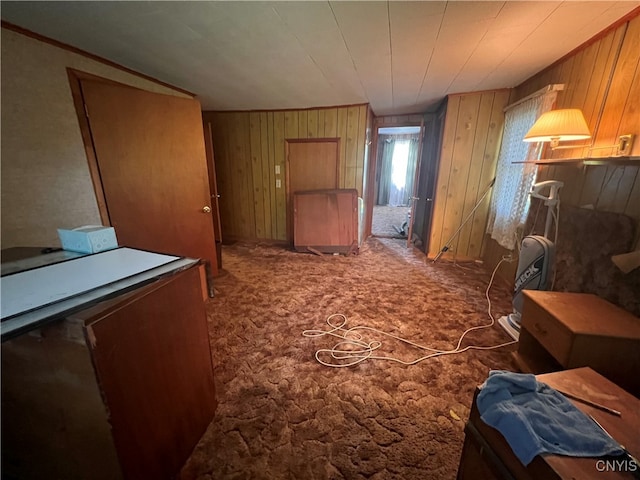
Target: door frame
[[287, 168], [373, 166], [75, 77], [416, 179]]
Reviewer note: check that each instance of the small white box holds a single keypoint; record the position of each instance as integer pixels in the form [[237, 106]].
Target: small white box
[[88, 239]]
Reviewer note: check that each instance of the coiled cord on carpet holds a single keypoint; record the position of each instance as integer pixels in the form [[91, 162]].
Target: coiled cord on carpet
[[353, 348]]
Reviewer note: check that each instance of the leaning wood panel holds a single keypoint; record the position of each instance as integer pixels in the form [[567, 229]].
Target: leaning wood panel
[[444, 171], [159, 387], [326, 221]]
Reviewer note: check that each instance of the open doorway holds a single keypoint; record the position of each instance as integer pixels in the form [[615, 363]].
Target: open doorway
[[396, 163]]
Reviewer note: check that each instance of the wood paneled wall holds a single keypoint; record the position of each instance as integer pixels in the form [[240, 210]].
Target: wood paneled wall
[[398, 120], [249, 146], [602, 79], [472, 132]]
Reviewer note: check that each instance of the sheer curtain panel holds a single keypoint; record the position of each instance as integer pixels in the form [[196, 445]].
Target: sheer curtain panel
[[510, 199]]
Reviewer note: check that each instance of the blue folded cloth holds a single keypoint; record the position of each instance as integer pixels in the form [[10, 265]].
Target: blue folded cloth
[[534, 418]]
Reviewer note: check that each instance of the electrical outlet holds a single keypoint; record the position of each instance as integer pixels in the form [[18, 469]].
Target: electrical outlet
[[277, 169], [278, 183]]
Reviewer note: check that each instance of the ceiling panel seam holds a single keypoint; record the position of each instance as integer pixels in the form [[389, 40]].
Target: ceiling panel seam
[[335, 19], [475, 48], [435, 44]]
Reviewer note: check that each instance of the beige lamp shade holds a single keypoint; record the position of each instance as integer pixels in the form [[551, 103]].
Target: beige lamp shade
[[559, 125]]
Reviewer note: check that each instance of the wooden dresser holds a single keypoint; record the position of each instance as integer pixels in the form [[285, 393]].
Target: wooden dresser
[[568, 330], [486, 454]]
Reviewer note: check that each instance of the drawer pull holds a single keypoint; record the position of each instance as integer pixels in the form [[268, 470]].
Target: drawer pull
[[539, 328]]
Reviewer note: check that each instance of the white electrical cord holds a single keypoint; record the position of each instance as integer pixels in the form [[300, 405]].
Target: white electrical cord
[[353, 348]]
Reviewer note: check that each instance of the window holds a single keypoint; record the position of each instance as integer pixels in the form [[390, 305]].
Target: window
[[510, 199]]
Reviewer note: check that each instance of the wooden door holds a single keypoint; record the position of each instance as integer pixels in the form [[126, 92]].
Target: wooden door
[[312, 164], [213, 188], [414, 194], [426, 181], [151, 158]]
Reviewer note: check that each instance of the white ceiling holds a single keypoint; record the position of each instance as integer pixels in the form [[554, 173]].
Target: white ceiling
[[401, 57]]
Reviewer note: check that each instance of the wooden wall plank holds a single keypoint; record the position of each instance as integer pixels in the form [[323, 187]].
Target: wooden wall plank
[[268, 149], [321, 125], [361, 146], [312, 124], [291, 124], [331, 122], [619, 90], [248, 226], [462, 154], [255, 152], [268, 176], [279, 130], [350, 166], [441, 191], [341, 131], [303, 131], [473, 189]]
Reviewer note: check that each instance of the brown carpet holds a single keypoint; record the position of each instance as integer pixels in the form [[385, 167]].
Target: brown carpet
[[282, 415]]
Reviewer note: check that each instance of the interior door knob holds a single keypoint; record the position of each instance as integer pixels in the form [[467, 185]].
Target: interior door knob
[[206, 209]]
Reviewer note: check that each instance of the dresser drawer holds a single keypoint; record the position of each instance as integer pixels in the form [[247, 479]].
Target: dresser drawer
[[551, 333]]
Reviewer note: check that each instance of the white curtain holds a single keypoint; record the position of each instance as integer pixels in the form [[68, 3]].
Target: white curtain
[[397, 190], [510, 199]]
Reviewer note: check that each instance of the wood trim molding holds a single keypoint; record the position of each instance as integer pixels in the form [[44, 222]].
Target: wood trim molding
[[84, 53], [75, 78], [305, 109]]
